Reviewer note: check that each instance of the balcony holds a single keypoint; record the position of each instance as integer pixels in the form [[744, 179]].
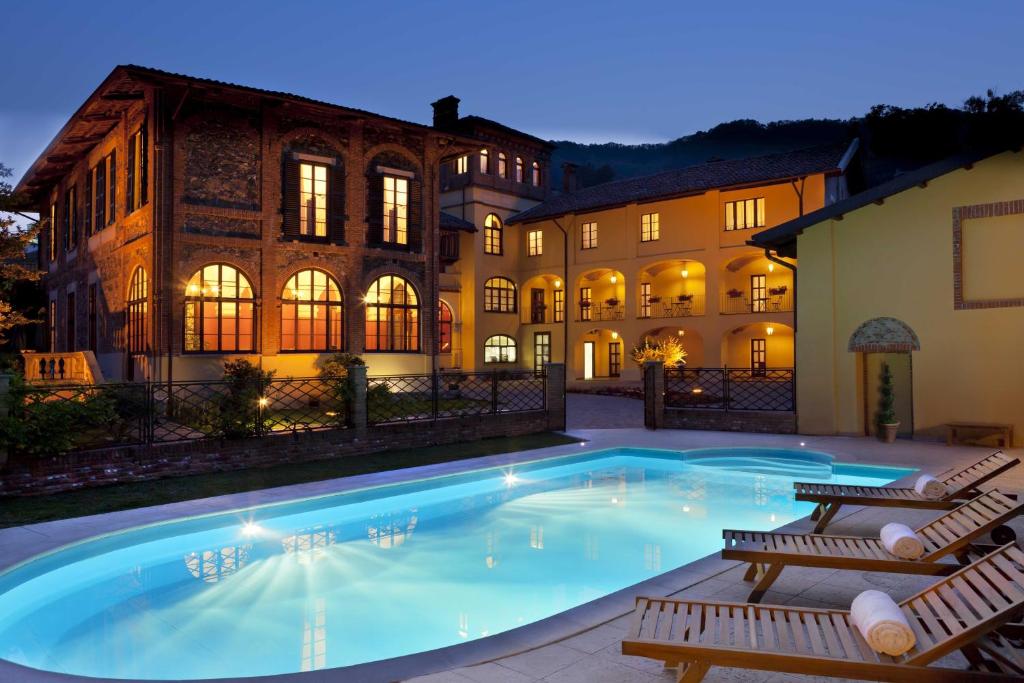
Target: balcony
[[735, 302], [600, 311], [70, 367], [681, 306]]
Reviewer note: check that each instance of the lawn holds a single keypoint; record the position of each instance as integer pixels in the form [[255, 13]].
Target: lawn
[[29, 510]]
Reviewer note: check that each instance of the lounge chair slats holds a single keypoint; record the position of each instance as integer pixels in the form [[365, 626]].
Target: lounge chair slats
[[960, 611]]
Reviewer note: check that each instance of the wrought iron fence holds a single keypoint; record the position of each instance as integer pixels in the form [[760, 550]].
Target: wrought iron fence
[[770, 389], [47, 420], [410, 398]]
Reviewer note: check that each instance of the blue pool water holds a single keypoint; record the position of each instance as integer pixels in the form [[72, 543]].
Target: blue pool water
[[394, 570]]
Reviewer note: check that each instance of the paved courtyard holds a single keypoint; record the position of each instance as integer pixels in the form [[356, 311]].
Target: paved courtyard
[[591, 411]]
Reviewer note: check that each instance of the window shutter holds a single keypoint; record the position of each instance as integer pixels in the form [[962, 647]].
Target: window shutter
[[416, 215], [290, 197], [112, 187], [336, 203], [375, 208]]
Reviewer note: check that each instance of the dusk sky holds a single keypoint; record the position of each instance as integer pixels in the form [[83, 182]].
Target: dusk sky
[[594, 71]]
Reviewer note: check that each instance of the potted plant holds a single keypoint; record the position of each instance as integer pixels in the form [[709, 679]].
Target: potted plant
[[778, 291], [585, 303], [886, 417], [734, 293], [685, 297], [613, 302], [653, 299]]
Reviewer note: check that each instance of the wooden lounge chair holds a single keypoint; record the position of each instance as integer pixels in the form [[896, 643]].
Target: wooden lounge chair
[[950, 535], [961, 484], [960, 612]]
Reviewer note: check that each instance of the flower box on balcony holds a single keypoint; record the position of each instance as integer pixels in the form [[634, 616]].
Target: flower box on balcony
[[734, 294], [585, 303], [778, 291], [653, 299], [613, 302], [685, 297]]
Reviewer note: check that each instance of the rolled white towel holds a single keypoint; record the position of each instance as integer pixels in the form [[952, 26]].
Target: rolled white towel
[[880, 621], [930, 487], [901, 541]]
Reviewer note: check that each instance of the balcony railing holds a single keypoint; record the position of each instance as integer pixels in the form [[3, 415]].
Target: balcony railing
[[673, 307], [72, 367], [600, 311], [779, 302]]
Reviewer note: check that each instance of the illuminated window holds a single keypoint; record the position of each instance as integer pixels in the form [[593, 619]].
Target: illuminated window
[[493, 243], [444, 328], [535, 242], [100, 204], [485, 161], [462, 165], [500, 349], [392, 315], [589, 235], [499, 295], [137, 171], [519, 170], [649, 228], [396, 210], [559, 305], [502, 165], [219, 311], [536, 174], [138, 310], [312, 314], [585, 303], [312, 200], [747, 213], [645, 299]]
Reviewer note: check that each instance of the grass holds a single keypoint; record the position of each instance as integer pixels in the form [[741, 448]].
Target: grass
[[32, 509]]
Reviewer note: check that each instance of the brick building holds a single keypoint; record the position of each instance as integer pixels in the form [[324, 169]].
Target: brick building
[[189, 221]]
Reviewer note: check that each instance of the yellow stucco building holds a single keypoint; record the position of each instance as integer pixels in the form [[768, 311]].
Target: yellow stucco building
[[922, 273]]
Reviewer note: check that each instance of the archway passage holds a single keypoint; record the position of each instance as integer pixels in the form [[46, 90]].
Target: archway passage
[[886, 341]]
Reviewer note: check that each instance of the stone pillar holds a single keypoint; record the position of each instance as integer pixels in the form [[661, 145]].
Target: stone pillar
[[654, 394], [554, 398], [356, 410]]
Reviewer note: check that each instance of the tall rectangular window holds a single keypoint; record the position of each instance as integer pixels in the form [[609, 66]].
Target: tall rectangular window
[[649, 228], [743, 214], [70, 219], [758, 294], [541, 350], [585, 303], [90, 177], [645, 299], [588, 238], [313, 200], [614, 359], [100, 175], [112, 187], [462, 165], [758, 356], [94, 307], [53, 236], [396, 210], [559, 305], [137, 170], [535, 242], [71, 312]]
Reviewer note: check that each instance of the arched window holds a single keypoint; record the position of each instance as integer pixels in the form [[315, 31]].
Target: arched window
[[312, 316], [444, 328], [485, 161], [502, 165], [219, 311], [536, 174], [519, 170], [500, 295], [493, 243], [500, 349], [392, 315], [138, 310]]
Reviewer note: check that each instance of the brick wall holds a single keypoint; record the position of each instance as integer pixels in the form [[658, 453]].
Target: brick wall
[[768, 422]]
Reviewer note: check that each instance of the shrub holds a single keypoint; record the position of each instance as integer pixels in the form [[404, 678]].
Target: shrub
[[238, 410], [669, 351], [334, 374], [886, 398]]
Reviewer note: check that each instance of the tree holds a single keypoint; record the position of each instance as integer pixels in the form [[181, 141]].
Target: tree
[[669, 351], [886, 398], [14, 267]]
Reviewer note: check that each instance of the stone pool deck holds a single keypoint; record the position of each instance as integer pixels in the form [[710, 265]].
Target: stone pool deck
[[581, 644]]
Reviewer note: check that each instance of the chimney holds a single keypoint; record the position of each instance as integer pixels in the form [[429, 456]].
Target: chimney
[[569, 179], [446, 112]]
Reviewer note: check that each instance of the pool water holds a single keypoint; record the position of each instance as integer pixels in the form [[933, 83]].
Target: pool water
[[394, 570]]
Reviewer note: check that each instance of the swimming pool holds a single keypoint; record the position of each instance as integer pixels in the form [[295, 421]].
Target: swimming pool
[[389, 571]]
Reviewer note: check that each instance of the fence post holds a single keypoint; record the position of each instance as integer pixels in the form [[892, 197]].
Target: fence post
[[554, 395], [494, 393], [433, 394], [654, 394], [725, 388], [356, 411]]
